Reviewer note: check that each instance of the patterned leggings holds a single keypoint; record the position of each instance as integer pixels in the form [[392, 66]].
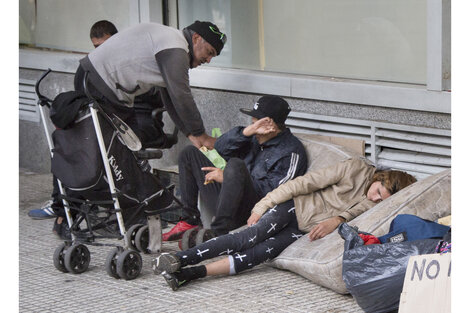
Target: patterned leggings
[[263, 241]]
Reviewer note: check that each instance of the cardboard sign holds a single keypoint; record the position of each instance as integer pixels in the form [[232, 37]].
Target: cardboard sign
[[427, 284]]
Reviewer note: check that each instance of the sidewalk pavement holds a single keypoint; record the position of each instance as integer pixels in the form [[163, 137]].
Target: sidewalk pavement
[[42, 288]]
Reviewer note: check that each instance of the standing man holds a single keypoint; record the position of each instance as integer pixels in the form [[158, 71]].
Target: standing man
[[144, 125], [99, 33], [260, 157], [150, 55]]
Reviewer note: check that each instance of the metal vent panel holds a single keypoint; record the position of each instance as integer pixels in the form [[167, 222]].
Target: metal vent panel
[[420, 151], [28, 109]]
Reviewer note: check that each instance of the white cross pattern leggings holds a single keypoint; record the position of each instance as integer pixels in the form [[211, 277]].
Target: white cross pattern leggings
[[263, 241]]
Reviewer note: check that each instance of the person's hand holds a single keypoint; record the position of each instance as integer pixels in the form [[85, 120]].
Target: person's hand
[[253, 219], [325, 227], [262, 126], [215, 174], [202, 140]]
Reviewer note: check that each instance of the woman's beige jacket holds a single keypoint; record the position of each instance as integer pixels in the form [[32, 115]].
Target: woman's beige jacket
[[338, 190]]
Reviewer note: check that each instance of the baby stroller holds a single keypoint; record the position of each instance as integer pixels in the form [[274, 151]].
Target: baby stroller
[[107, 188]]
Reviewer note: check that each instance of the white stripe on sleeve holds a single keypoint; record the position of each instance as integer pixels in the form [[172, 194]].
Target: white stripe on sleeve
[[294, 160]]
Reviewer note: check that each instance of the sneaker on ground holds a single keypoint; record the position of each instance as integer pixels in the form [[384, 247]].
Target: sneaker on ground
[[176, 233], [45, 212], [166, 262], [173, 281]]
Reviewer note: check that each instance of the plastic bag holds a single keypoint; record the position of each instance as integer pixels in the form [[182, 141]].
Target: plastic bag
[[374, 274], [213, 155]]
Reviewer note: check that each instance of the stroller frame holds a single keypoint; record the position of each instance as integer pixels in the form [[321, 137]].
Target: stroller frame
[[122, 262]]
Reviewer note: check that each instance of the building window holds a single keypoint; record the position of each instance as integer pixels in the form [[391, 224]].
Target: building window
[[376, 40], [65, 24], [382, 40]]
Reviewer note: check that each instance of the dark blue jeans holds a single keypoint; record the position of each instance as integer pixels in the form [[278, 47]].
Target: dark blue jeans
[[265, 240]]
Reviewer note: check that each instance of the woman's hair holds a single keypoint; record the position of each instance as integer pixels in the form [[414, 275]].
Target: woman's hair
[[394, 181]]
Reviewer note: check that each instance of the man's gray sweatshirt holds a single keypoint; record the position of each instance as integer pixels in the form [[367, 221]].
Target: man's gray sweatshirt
[[133, 61]]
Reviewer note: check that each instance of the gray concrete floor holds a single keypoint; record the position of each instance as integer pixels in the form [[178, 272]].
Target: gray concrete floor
[[42, 288]]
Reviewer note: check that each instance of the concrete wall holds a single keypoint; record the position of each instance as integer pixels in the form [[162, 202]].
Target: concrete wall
[[218, 109]]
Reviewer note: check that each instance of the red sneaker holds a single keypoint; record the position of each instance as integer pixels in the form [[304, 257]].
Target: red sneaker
[[176, 233]]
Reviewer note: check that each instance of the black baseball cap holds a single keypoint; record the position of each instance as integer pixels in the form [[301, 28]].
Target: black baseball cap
[[211, 33], [270, 106]]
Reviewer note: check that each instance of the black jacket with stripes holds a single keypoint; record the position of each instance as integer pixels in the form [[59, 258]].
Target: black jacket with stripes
[[271, 163]]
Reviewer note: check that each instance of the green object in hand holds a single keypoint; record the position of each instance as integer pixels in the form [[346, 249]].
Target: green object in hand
[[213, 155], [216, 132]]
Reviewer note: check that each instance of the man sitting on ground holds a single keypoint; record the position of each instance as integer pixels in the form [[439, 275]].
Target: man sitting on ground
[[260, 157]]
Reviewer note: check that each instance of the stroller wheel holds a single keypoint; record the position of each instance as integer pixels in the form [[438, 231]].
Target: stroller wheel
[[130, 236], [142, 239], [110, 264], [189, 239], [59, 258], [77, 258], [204, 235], [129, 264]]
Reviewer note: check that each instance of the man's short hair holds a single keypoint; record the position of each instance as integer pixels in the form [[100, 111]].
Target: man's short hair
[[101, 28]]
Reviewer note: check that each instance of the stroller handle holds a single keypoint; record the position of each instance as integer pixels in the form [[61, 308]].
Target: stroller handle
[[85, 86], [42, 100]]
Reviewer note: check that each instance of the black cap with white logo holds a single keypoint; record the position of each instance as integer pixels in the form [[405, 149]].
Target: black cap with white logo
[[270, 106]]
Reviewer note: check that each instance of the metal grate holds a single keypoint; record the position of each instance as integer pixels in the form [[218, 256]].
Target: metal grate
[[419, 151], [28, 107]]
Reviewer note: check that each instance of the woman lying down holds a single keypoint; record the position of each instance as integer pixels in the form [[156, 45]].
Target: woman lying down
[[315, 203]]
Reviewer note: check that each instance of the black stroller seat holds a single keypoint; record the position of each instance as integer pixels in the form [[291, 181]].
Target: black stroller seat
[[106, 185]]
